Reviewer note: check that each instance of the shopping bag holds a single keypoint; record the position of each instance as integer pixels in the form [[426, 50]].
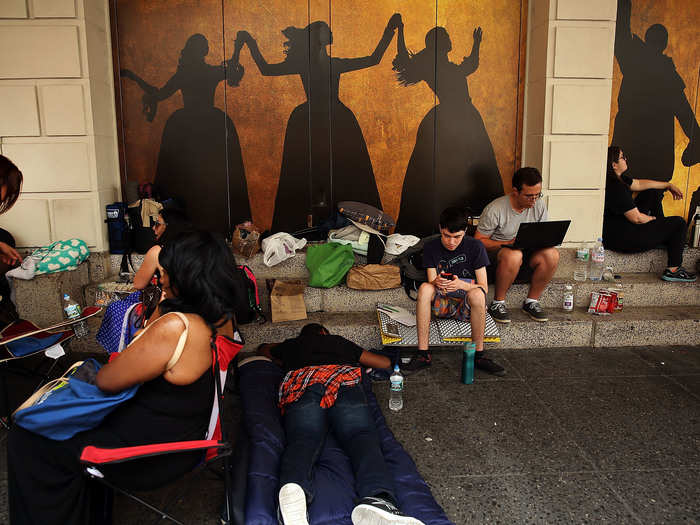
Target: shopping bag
[[328, 263], [287, 301], [279, 247], [69, 404], [374, 277]]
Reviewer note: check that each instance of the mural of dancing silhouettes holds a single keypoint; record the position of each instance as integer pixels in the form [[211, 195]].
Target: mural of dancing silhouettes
[[453, 162], [652, 95], [325, 158], [199, 162]]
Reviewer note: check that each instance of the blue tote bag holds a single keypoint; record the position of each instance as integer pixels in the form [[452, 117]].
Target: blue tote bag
[[69, 404]]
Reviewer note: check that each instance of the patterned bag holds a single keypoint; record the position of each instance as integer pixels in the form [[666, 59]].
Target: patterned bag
[[60, 256]]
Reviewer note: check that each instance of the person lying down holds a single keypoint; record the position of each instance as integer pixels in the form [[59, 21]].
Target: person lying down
[[321, 392]]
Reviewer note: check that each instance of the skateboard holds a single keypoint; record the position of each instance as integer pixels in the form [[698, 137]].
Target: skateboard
[[21, 328]]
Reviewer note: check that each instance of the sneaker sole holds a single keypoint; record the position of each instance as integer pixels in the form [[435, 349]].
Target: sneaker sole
[[501, 321], [539, 319], [369, 515], [293, 505], [677, 280]]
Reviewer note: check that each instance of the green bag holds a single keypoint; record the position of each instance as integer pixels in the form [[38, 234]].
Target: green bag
[[328, 263], [60, 256]]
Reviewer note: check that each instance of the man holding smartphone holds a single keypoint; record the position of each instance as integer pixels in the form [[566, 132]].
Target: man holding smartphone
[[456, 288]]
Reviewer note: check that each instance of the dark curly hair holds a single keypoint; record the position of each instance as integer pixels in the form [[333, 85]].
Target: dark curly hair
[[201, 269], [11, 178]]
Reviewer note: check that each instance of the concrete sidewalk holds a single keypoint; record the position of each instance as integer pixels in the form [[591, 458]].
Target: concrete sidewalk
[[570, 435]]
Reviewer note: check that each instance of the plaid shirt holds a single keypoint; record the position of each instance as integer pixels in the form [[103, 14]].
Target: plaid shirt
[[332, 377]]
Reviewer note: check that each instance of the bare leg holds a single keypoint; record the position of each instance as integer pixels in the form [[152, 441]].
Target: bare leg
[[425, 298], [477, 316], [544, 263], [508, 266]]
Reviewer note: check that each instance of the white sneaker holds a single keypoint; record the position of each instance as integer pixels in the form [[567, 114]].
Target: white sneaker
[[378, 511], [292, 508]]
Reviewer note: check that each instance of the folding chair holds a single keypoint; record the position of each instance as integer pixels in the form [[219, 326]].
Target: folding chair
[[22, 339], [216, 444]]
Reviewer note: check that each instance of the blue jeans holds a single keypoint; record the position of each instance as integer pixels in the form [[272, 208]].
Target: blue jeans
[[306, 425]]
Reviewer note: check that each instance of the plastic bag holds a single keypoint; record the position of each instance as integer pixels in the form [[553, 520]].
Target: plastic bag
[[279, 247], [246, 239]]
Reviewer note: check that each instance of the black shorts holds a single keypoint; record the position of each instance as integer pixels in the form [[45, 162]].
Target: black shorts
[[524, 274]]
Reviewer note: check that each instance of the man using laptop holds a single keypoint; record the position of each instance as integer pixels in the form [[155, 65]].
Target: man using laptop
[[498, 226]]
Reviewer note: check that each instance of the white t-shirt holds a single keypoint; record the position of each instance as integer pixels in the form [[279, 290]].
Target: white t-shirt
[[500, 222]]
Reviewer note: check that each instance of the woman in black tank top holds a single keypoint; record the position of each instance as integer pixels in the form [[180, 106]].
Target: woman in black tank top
[[173, 403]]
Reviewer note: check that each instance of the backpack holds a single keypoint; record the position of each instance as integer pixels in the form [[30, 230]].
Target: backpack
[[117, 228], [249, 310], [411, 264]]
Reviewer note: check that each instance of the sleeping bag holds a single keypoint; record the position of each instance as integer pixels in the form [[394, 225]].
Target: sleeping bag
[[333, 477]]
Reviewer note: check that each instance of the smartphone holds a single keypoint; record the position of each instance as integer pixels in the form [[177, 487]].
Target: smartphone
[[446, 275], [392, 329]]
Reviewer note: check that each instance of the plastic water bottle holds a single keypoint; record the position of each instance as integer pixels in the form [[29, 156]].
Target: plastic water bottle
[[582, 261], [73, 311], [396, 392], [598, 261], [568, 298]]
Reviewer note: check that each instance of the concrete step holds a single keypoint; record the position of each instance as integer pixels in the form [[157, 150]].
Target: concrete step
[[653, 261], [670, 325], [640, 289]]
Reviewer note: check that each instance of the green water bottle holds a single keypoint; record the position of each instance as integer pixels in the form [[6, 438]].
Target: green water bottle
[[468, 363]]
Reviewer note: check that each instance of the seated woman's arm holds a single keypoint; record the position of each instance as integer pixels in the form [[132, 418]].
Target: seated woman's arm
[[148, 268], [145, 358], [637, 217], [647, 184]]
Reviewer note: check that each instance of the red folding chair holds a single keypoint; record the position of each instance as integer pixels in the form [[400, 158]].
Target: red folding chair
[[215, 446]]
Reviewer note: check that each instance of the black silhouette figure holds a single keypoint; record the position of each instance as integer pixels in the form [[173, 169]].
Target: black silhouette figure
[[200, 161], [652, 95], [325, 158], [453, 163]]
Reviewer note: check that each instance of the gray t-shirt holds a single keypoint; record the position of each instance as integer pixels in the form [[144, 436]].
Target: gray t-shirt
[[500, 222]]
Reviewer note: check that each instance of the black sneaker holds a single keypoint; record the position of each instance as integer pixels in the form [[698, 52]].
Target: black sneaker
[[489, 366], [499, 312], [292, 505], [535, 310], [681, 275], [378, 511], [417, 362]]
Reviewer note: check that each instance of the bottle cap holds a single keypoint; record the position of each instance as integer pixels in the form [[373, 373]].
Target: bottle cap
[[396, 368], [65, 296]]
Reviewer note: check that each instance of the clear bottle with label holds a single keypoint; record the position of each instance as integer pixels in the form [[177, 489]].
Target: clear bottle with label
[[396, 390], [568, 298], [73, 311], [598, 261], [582, 261]]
